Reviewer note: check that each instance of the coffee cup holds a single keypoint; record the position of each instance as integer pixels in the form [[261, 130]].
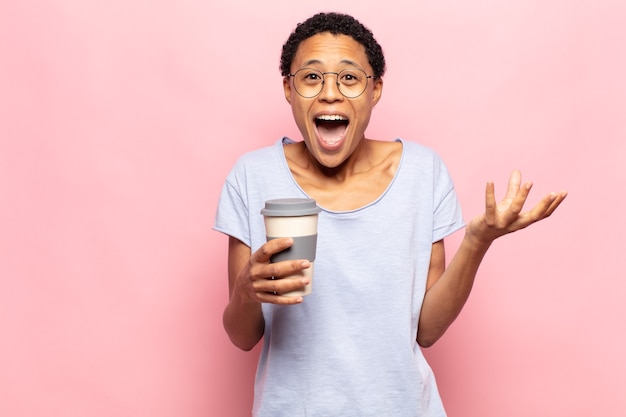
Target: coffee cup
[[295, 218]]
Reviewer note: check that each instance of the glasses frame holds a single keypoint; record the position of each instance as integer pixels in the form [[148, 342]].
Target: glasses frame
[[367, 77]]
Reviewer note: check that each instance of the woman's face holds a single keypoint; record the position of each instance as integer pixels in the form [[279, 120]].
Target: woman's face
[[331, 124]]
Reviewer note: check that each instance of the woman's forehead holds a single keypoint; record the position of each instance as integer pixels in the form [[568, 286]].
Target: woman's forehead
[[326, 48]]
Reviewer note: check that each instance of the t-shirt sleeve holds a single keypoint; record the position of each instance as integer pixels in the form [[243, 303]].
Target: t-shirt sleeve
[[232, 211], [448, 217]]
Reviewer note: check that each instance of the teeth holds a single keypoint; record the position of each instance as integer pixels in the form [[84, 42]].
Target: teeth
[[330, 117]]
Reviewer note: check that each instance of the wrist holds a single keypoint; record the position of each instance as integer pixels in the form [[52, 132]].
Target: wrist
[[477, 241], [240, 299]]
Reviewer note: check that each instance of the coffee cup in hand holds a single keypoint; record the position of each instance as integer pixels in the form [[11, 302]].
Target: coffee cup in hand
[[295, 218]]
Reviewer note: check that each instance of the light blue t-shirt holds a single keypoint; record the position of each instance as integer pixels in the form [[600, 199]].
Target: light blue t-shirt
[[350, 348]]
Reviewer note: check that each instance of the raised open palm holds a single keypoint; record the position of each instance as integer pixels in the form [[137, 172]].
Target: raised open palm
[[507, 215]]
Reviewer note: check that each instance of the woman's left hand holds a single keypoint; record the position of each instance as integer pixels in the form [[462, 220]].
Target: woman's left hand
[[506, 216]]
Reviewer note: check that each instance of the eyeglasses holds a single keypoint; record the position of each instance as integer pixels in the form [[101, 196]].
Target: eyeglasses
[[309, 82]]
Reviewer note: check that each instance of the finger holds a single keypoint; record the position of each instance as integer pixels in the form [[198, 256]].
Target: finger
[[542, 209], [558, 199], [265, 252], [517, 204], [268, 290], [490, 203], [515, 180], [279, 299], [285, 268]]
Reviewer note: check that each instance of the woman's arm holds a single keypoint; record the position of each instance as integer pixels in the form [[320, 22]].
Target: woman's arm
[[250, 285], [448, 288], [243, 318]]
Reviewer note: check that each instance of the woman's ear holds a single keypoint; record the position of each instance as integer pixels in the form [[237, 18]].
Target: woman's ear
[[287, 88], [378, 91]]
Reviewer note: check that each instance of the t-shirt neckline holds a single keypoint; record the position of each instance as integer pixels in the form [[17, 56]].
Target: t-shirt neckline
[[283, 159]]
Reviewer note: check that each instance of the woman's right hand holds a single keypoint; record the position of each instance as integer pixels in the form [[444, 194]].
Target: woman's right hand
[[259, 280], [250, 284]]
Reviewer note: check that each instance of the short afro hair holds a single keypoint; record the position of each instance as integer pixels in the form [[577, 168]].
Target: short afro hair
[[337, 24]]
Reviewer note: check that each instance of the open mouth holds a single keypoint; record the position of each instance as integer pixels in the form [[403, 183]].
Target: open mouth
[[331, 128]]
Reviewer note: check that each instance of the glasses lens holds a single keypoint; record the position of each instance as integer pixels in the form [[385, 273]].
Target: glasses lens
[[308, 82], [352, 82]]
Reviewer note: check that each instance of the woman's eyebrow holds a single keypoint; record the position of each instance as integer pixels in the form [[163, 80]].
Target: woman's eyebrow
[[343, 61]]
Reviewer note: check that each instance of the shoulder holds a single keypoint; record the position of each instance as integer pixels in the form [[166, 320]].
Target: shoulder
[[259, 153], [417, 149], [258, 158], [420, 157]]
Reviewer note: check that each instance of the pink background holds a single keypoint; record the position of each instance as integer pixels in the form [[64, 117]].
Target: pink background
[[119, 121]]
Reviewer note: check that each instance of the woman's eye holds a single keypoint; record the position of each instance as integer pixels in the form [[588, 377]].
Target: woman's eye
[[349, 78]]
